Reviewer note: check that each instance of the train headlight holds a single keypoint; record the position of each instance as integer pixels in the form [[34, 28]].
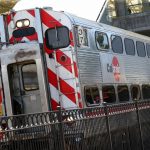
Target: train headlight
[[22, 23], [19, 24], [26, 23]]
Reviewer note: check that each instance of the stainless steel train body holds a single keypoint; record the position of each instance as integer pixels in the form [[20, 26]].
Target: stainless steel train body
[[51, 58]]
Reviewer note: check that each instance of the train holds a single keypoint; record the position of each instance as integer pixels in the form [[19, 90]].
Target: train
[[53, 58]]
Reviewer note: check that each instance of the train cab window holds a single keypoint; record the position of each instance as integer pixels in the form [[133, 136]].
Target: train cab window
[[140, 49], [109, 95], [30, 79], [123, 93], [55, 37], [102, 41], [129, 46], [92, 95], [135, 92], [146, 91], [116, 43], [148, 49]]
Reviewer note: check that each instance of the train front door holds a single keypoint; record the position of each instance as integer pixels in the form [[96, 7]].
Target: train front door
[[24, 88]]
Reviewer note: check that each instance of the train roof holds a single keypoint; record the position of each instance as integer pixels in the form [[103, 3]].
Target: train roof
[[98, 26]]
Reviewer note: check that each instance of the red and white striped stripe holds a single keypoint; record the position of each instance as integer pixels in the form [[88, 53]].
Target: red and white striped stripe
[[67, 74], [20, 15]]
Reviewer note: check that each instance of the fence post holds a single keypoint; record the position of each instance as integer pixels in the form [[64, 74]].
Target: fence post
[[139, 124], [62, 137], [107, 123]]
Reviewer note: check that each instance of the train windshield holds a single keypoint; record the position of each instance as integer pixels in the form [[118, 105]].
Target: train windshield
[[57, 37]]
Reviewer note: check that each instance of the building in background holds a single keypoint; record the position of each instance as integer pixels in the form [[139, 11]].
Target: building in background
[[131, 15]]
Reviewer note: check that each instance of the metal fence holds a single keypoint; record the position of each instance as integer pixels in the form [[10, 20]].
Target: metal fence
[[117, 127]]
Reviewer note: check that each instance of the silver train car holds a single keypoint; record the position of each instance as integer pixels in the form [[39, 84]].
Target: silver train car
[[51, 59]]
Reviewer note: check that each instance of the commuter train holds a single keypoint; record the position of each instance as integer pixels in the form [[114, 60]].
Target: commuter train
[[50, 58]]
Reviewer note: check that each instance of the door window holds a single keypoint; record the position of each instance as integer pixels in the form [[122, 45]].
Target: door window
[[29, 74]]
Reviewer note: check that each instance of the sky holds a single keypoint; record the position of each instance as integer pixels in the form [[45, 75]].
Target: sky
[[83, 8]]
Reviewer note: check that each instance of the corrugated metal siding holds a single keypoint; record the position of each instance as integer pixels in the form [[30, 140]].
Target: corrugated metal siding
[[137, 69], [89, 67]]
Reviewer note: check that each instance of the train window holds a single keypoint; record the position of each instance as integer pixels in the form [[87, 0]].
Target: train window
[[135, 92], [92, 95], [55, 37], [148, 49], [129, 46], [116, 43], [140, 49], [123, 93], [146, 91], [102, 41], [109, 95], [30, 80]]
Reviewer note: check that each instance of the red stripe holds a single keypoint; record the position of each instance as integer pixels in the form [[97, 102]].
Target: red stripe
[[48, 51], [66, 64], [71, 38], [8, 18], [80, 105], [52, 78], [48, 20], [32, 37], [54, 104], [32, 12], [76, 69], [12, 39], [66, 89]]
